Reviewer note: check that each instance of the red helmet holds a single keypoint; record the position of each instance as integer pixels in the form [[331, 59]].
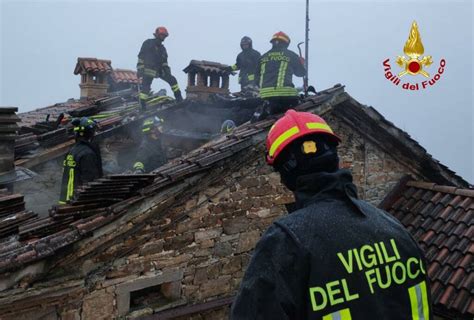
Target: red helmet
[[161, 31], [292, 126], [281, 36]]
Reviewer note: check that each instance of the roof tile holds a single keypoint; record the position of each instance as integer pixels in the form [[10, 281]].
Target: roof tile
[[441, 219]]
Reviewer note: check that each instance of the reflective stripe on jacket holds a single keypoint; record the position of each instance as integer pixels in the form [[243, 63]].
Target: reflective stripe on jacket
[[247, 62], [81, 164], [336, 257], [152, 58], [275, 73]]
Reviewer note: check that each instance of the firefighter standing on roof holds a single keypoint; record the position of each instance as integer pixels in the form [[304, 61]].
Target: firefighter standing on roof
[[247, 62], [153, 63], [335, 256], [150, 153], [83, 163], [275, 75]]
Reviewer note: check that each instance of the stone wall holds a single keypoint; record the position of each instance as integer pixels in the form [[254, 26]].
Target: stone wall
[[375, 172]]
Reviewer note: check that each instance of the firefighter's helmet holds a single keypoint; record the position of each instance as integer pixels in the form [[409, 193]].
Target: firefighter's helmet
[[281, 36], [161, 31], [246, 41], [84, 127], [294, 125], [228, 126]]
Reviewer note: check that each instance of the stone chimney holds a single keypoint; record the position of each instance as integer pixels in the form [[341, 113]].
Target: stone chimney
[[93, 76], [206, 78], [8, 133]]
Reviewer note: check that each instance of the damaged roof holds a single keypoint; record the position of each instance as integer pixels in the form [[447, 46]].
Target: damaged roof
[[96, 206], [441, 219]]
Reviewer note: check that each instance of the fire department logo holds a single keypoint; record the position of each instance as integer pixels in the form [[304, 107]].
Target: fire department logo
[[414, 49], [413, 63]]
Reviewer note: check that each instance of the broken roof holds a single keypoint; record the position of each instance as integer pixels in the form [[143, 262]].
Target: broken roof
[[441, 219], [92, 65], [95, 208]]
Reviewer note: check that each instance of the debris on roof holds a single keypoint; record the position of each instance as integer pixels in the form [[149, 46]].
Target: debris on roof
[[441, 219]]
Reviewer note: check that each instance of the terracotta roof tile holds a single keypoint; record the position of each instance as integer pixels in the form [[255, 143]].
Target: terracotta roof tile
[[441, 219], [124, 76], [92, 65]]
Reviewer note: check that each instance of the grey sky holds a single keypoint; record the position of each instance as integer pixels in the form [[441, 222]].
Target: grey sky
[[41, 40]]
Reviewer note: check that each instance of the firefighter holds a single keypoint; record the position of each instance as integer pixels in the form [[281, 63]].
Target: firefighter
[[275, 74], [153, 63], [150, 153], [335, 256], [247, 62], [83, 163]]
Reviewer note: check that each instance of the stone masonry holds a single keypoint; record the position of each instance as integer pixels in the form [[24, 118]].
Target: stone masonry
[[203, 256]]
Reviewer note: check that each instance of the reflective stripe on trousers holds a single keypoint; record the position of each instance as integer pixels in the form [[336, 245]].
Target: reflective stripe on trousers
[[70, 185], [420, 309], [344, 314]]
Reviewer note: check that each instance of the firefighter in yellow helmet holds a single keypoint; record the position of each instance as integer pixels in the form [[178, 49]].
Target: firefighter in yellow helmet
[[334, 256], [275, 75], [153, 63]]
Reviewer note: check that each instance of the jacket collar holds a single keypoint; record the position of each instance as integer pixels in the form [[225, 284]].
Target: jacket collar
[[324, 185]]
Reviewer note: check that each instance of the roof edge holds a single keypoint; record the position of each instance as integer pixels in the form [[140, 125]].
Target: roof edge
[[440, 188], [395, 193]]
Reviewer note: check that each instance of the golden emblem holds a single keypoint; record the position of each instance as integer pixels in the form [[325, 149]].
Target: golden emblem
[[414, 49]]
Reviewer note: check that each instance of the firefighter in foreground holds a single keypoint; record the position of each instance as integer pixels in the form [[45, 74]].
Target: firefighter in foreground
[[153, 63], [150, 153], [335, 256], [275, 74], [247, 62], [83, 163]]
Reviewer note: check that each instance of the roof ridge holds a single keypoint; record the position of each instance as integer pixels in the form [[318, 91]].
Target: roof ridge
[[441, 188]]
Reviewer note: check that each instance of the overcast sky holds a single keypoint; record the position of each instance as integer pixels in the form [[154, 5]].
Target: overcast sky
[[41, 40]]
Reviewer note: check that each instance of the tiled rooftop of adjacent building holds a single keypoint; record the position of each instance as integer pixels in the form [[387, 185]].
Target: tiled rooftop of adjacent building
[[441, 219]]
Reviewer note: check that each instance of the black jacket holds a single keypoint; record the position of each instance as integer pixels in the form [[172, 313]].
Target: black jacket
[[82, 164], [153, 54], [330, 258], [276, 71], [150, 154], [247, 62]]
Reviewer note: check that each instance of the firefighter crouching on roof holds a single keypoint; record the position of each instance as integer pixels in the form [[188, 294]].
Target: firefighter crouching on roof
[[153, 63], [275, 74], [83, 163], [247, 62], [150, 152], [335, 256]]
